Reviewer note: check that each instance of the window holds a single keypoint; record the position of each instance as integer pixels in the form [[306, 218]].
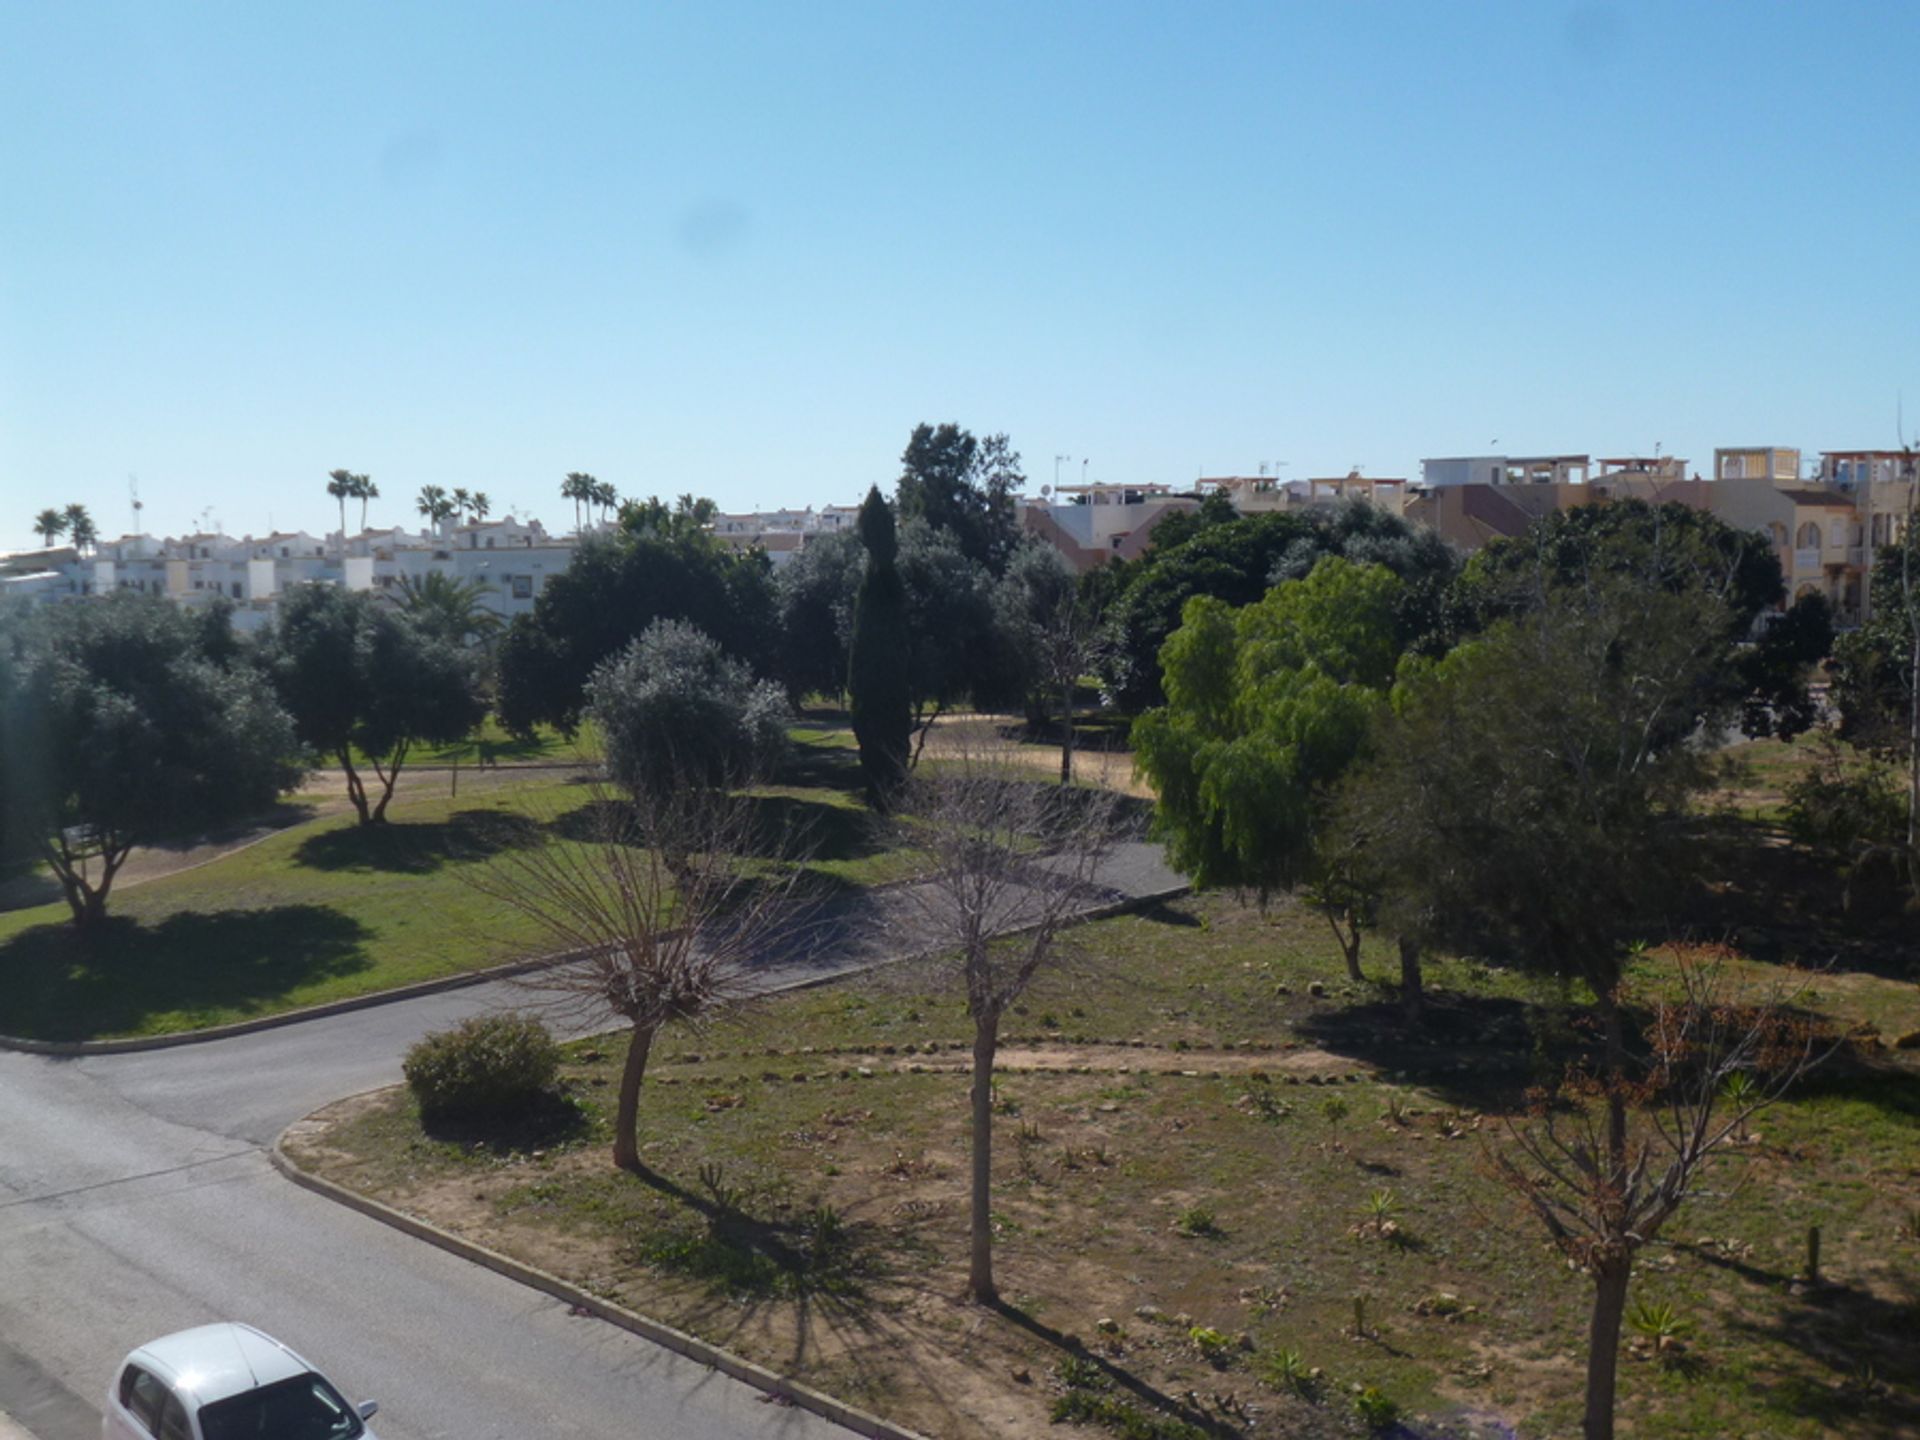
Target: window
[[236, 589], [143, 1395], [1808, 537], [173, 1421], [284, 554], [304, 1407], [522, 587]]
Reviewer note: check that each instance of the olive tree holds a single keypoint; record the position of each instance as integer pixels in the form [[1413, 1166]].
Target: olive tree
[[366, 682], [121, 729]]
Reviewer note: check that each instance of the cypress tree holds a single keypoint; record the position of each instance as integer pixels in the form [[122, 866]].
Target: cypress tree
[[877, 662]]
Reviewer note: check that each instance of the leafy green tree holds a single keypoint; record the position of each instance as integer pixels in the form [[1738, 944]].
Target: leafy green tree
[[964, 486], [879, 655], [675, 712], [1238, 560], [1876, 679], [1052, 635], [1267, 708], [1678, 549], [80, 528], [49, 525], [362, 679], [815, 593], [956, 648], [615, 587], [121, 731]]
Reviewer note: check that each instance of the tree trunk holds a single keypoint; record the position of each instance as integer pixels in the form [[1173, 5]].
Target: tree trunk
[[1603, 1346], [1347, 936], [626, 1120], [986, 1041], [356, 787], [1411, 991], [1066, 733]]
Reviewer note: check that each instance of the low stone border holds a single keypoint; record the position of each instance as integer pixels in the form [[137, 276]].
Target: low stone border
[[759, 1377], [467, 978], [285, 1017]]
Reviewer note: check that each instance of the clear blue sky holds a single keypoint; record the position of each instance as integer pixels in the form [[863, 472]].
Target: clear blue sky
[[741, 250]]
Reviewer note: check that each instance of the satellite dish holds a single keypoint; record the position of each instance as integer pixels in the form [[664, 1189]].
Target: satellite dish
[[1045, 490]]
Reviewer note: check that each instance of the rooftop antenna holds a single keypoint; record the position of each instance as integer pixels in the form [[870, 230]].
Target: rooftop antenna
[[133, 494], [1058, 460]]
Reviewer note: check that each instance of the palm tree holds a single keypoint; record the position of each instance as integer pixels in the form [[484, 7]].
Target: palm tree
[[448, 608], [48, 525], [364, 490], [341, 487], [606, 497], [578, 486], [482, 506], [81, 527], [434, 504], [460, 500]]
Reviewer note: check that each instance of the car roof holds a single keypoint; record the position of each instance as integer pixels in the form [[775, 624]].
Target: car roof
[[211, 1362]]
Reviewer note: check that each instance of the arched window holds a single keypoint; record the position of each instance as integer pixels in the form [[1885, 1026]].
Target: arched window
[[1778, 534], [1809, 537]]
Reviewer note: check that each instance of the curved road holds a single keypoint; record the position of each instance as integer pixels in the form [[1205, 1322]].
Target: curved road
[[136, 1198]]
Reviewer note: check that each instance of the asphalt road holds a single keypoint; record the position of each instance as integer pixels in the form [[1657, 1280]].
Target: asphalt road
[[136, 1198]]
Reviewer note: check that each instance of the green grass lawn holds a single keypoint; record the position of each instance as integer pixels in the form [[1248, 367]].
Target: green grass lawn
[[806, 1203], [328, 909]]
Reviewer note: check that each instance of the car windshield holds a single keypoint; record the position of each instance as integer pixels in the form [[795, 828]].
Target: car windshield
[[302, 1408]]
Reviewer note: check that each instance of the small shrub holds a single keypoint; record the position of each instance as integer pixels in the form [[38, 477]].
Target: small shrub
[[1198, 1221], [1214, 1345], [489, 1064], [1375, 1410], [1335, 1107]]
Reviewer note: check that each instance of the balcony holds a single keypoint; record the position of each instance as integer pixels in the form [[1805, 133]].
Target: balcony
[[1806, 560]]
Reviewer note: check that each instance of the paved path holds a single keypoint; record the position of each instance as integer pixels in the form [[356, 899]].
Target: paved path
[[136, 1198]]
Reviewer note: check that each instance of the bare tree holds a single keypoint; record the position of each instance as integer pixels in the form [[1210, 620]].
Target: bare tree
[[1603, 1188], [1011, 863], [661, 915]]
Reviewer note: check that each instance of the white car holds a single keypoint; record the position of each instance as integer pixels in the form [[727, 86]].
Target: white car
[[227, 1382]]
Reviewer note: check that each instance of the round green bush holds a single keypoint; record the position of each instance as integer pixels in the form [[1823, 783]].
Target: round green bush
[[488, 1064]]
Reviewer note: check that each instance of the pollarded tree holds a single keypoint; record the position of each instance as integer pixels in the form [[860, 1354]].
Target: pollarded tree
[[362, 679], [123, 731], [677, 714], [878, 687], [1267, 707], [1012, 862], [666, 920]]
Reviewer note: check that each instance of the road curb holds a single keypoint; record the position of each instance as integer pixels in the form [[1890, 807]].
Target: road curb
[[465, 980], [770, 1382]]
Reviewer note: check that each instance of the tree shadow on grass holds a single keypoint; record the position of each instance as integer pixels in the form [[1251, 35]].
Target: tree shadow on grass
[[416, 848], [549, 1120], [196, 968], [1475, 1051], [795, 827], [1781, 906], [1860, 1369]]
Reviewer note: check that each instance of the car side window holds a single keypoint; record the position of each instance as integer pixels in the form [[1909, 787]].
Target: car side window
[[144, 1396], [173, 1420]]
